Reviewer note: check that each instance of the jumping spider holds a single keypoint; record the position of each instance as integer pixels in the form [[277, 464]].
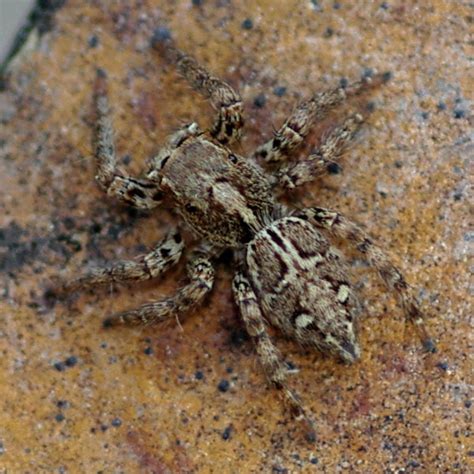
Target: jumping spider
[[288, 274]]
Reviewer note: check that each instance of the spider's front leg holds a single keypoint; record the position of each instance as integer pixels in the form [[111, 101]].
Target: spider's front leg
[[166, 254], [339, 226], [201, 276], [140, 193], [297, 126], [270, 357], [228, 103]]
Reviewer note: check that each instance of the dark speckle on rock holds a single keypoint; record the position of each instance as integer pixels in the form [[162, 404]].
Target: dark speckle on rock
[[442, 365], [62, 404], [116, 422], [343, 82], [95, 228], [247, 24], [329, 32], [238, 337], [148, 350], [59, 366], [160, 35], [223, 385], [197, 3], [425, 115], [74, 244], [468, 403], [59, 417], [441, 106], [279, 91], [314, 460], [459, 113], [316, 6], [69, 223], [387, 76], [333, 168], [336, 5], [260, 101], [101, 73], [198, 375], [367, 72], [227, 433], [71, 361], [127, 159], [384, 6], [93, 41]]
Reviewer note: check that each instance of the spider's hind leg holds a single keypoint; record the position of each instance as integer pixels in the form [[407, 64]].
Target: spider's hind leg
[[270, 357], [339, 226]]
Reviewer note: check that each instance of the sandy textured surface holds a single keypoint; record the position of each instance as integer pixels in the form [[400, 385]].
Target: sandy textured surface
[[77, 398]]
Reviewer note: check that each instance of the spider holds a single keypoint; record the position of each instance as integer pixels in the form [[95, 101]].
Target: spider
[[288, 275]]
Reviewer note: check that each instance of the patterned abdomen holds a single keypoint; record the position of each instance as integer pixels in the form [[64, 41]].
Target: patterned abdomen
[[303, 286]]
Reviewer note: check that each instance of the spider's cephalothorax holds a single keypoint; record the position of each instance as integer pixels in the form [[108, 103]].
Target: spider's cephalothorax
[[288, 274]]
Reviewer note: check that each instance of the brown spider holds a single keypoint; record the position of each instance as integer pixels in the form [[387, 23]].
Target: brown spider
[[288, 274]]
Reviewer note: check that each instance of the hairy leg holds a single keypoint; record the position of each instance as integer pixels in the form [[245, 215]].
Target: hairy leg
[[316, 165], [339, 226], [201, 276], [140, 193], [297, 126], [228, 103], [166, 254], [270, 357]]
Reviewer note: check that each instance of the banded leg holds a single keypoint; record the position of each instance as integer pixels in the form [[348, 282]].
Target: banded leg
[[201, 275], [140, 193], [316, 164], [225, 100], [297, 126], [339, 226], [166, 254], [270, 357]]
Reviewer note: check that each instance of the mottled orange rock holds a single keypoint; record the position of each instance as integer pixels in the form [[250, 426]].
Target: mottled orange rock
[[77, 398]]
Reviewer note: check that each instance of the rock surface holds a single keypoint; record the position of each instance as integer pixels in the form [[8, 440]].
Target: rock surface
[[190, 397]]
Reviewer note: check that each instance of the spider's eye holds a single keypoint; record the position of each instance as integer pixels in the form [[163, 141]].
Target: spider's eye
[[191, 209], [233, 158]]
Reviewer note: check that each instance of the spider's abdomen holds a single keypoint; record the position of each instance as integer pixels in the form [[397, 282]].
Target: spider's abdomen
[[303, 286]]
